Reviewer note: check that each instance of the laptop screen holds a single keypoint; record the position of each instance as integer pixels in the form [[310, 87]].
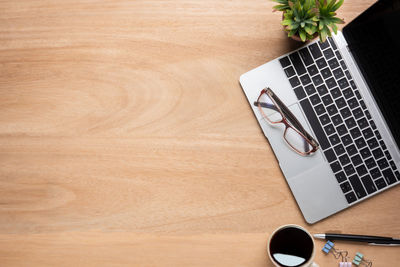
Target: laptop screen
[[374, 40]]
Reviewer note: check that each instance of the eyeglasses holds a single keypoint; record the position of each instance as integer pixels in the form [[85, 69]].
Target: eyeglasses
[[274, 111]]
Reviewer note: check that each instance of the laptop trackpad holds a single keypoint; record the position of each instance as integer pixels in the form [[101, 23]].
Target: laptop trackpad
[[291, 163]]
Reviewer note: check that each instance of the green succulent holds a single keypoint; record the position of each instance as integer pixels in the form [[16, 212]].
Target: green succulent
[[327, 19], [307, 18], [301, 19], [283, 5]]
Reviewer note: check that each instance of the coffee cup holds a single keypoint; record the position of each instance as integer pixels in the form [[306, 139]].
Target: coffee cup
[[291, 246]]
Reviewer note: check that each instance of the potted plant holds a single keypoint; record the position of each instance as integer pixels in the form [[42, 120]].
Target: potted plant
[[304, 20]]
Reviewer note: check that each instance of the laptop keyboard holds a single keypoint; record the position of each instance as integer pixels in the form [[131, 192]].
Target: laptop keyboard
[[340, 120]]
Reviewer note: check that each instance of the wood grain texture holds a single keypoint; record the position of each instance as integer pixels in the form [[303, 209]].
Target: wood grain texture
[[125, 138]]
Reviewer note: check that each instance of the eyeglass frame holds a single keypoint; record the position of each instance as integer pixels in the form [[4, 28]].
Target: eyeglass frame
[[288, 119]]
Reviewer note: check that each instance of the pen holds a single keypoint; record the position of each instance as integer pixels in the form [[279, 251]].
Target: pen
[[371, 240]]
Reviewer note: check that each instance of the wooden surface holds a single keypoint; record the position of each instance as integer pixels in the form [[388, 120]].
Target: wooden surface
[[125, 138]]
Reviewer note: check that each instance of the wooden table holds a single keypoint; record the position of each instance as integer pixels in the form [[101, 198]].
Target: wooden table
[[125, 138]]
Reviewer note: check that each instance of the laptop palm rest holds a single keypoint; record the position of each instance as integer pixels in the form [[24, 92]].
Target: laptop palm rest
[[310, 178]]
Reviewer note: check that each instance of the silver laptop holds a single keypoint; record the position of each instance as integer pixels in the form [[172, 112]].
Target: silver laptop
[[345, 93]]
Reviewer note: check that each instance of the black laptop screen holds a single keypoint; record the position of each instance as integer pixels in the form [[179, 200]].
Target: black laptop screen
[[374, 40]]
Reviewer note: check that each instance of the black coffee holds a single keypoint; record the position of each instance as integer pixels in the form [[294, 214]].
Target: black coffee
[[291, 247]]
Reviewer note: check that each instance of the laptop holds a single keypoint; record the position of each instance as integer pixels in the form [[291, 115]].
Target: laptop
[[345, 92]]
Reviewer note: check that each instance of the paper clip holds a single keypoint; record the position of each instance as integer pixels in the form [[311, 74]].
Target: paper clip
[[329, 248], [359, 259], [344, 262]]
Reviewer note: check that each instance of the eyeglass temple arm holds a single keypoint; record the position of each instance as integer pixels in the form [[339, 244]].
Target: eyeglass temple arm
[[265, 105]]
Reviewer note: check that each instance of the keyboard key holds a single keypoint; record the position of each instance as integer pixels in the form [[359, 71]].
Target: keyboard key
[[329, 129], [380, 183], [372, 124], [333, 63], [338, 55], [339, 149], [335, 166], [368, 184], [343, 65], [350, 122], [372, 143], [350, 197], [353, 103], [349, 169], [320, 109], [317, 79], [355, 133], [315, 50], [365, 152], [328, 53], [348, 93], [326, 73], [315, 125], [345, 112], [331, 83], [351, 150], [348, 75], [330, 155], [368, 133], [312, 70], [315, 99], [298, 65], [357, 160], [341, 129], [324, 119], [362, 104], [389, 176], [346, 187], [332, 42], [353, 84], [336, 93], [378, 153], [332, 110], [323, 45], [358, 94], [322, 90], [362, 123], [289, 72], [344, 159], [375, 173], [392, 165], [383, 164], [397, 174], [337, 120], [327, 99], [360, 143], [343, 83], [370, 163], [361, 170], [284, 62], [294, 81], [346, 140], [357, 186], [310, 89], [305, 79], [321, 63], [378, 135], [338, 73], [334, 139], [358, 113], [306, 56], [299, 93], [340, 102], [340, 176]]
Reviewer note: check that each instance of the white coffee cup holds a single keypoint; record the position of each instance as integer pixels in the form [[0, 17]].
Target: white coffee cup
[[291, 246]]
